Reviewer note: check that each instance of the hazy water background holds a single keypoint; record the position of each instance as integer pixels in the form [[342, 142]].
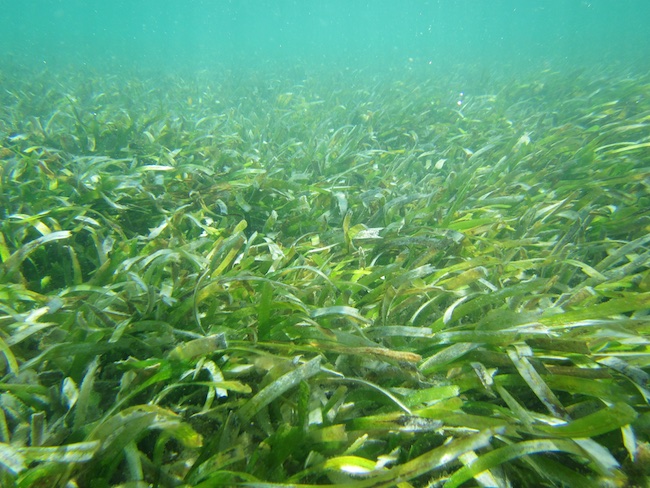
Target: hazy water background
[[178, 35]]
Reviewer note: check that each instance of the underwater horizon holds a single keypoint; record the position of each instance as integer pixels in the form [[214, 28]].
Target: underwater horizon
[[195, 35], [339, 243]]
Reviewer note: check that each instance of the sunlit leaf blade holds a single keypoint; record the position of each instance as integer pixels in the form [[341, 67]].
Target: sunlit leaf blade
[[616, 306], [198, 347], [9, 356], [278, 387], [353, 465], [11, 458], [432, 394], [440, 456], [121, 429], [12, 263], [342, 311], [595, 424], [446, 356], [507, 453], [70, 453], [85, 391], [536, 383], [395, 421]]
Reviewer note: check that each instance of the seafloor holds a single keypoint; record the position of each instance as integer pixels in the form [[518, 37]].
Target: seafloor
[[324, 277]]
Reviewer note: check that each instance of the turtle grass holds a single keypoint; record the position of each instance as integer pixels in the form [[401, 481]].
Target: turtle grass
[[339, 279]]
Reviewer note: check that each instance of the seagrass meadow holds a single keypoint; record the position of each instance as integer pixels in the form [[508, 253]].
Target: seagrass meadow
[[324, 278]]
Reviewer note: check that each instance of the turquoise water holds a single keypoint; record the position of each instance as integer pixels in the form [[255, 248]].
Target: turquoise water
[[194, 34]]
